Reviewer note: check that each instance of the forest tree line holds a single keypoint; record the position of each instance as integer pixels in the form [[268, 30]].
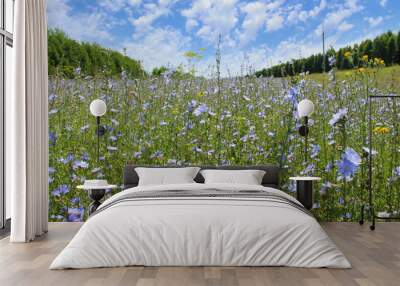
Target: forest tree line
[[385, 46], [68, 58]]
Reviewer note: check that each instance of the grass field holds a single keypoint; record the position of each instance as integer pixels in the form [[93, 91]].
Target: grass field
[[387, 76]]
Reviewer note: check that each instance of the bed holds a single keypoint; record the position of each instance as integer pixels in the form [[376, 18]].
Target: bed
[[199, 224]]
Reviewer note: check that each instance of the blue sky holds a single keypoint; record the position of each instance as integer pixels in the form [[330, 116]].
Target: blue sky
[[255, 33]]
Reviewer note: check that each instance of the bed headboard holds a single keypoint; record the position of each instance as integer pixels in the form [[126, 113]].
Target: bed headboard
[[270, 179]]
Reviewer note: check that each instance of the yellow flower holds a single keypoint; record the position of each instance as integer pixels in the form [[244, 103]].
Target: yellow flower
[[192, 55], [381, 130], [175, 111], [347, 54], [385, 130], [382, 62], [361, 70], [365, 58], [377, 60]]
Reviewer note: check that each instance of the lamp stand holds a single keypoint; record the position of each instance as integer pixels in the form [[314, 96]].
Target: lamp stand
[[100, 131], [304, 130]]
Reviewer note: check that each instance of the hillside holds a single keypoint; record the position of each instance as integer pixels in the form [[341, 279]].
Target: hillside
[[385, 46], [386, 77], [69, 57]]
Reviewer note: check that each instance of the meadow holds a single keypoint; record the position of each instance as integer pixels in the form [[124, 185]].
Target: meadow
[[185, 120]]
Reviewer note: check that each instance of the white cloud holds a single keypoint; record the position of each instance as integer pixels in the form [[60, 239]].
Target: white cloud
[[293, 49], [190, 24], [318, 9], [214, 18], [160, 47], [383, 3], [92, 26], [297, 14], [274, 15], [259, 14], [256, 15], [134, 2], [117, 5], [344, 26], [152, 12], [373, 22], [275, 23], [336, 18]]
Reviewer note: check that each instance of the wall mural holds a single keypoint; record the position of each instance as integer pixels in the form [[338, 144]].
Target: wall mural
[[179, 119]]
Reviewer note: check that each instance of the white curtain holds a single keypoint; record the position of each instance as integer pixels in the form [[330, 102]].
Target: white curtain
[[27, 123]]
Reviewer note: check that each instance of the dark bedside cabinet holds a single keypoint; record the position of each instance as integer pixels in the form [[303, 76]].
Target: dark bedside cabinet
[[304, 190]]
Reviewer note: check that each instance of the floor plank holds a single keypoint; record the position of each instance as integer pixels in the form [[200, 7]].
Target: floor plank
[[375, 257]]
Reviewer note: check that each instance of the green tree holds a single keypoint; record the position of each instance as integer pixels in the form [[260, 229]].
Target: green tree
[[391, 50], [159, 71], [398, 48], [67, 57]]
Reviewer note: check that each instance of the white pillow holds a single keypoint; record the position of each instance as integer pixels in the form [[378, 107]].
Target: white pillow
[[166, 176], [248, 177]]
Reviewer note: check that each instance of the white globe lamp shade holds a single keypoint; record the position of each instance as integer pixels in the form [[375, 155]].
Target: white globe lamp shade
[[305, 108], [98, 107]]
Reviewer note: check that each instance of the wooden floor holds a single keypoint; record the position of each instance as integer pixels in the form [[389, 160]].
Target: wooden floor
[[375, 257]]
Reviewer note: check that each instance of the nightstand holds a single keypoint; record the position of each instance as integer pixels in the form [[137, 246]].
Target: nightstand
[[304, 189], [96, 193]]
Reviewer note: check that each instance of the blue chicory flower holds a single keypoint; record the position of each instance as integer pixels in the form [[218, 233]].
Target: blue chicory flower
[[112, 148], [57, 217], [52, 170], [115, 122], [191, 105], [203, 108], [348, 164], [338, 116], [197, 149], [309, 169], [52, 139], [75, 214], [315, 149], [61, 190], [292, 95], [157, 154], [331, 61], [85, 127], [329, 167], [80, 164], [396, 171]]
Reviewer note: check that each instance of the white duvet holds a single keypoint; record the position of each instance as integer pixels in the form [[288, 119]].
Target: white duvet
[[202, 232]]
